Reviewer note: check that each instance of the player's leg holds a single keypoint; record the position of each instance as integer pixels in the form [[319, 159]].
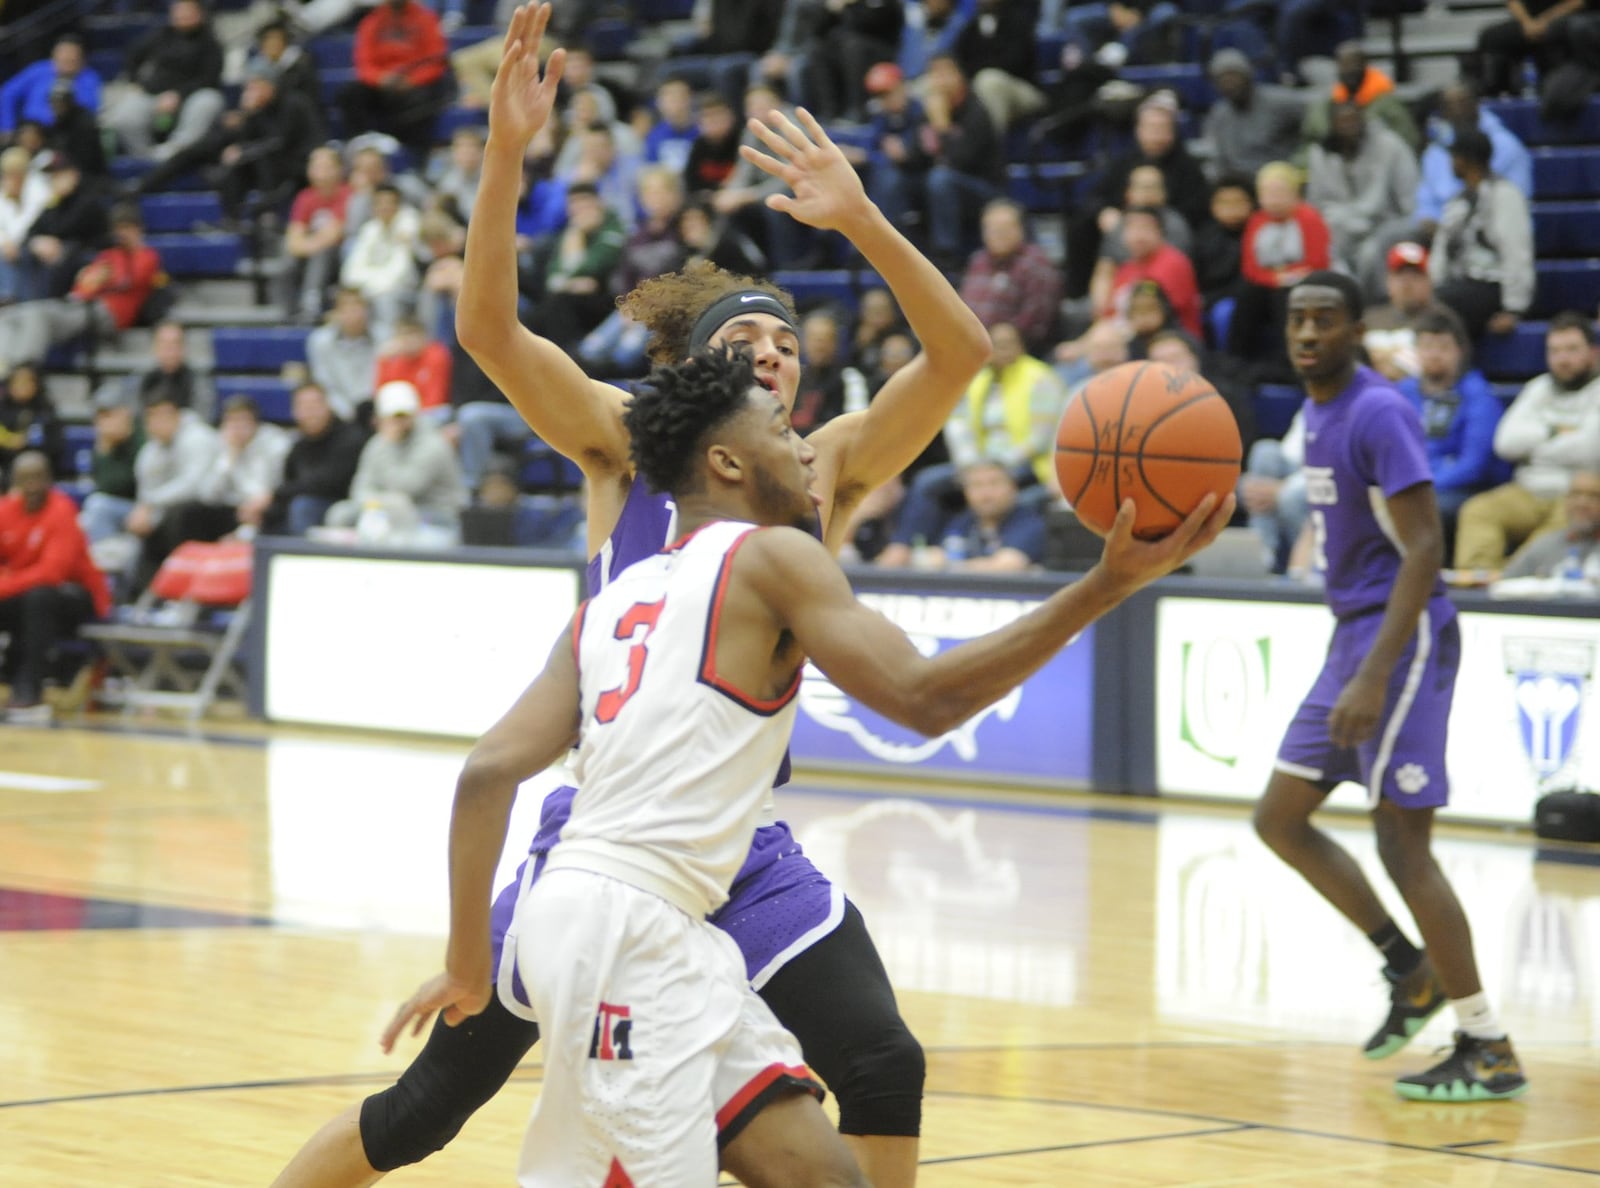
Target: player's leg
[[1283, 821], [458, 1070], [1483, 1065], [791, 1144], [836, 999]]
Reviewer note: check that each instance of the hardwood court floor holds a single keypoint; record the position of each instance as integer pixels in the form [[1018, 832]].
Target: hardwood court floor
[[199, 941]]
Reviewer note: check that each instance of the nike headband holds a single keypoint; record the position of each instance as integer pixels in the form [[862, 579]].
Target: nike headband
[[725, 309]]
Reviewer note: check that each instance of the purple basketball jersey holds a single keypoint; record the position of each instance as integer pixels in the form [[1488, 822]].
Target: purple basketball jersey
[[1365, 442], [1361, 447]]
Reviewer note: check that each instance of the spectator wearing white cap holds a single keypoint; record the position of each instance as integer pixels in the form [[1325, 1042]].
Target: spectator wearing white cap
[[407, 471]]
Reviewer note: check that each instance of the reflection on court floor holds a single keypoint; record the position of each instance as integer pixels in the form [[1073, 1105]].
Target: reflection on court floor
[[1111, 991]]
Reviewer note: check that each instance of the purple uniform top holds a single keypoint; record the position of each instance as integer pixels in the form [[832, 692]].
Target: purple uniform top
[[1365, 442]]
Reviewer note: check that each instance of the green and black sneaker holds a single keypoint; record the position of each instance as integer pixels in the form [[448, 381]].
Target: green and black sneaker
[[1478, 1070], [1414, 1000]]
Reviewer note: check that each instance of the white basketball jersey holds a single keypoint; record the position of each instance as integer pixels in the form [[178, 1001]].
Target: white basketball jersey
[[673, 763]]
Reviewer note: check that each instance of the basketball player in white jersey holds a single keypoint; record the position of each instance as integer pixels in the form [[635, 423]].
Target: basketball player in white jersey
[[677, 684]]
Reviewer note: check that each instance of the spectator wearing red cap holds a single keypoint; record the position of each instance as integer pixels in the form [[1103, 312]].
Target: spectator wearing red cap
[[1391, 339], [48, 584]]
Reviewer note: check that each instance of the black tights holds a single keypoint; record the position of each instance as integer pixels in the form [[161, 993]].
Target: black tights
[[835, 997]]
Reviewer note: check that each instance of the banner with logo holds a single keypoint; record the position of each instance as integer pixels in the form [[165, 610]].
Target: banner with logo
[[1041, 730], [1230, 675]]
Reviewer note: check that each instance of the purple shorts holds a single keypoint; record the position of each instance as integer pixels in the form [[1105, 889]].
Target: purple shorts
[[1404, 759], [779, 904]]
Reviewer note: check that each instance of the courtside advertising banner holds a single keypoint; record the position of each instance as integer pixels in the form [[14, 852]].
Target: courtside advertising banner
[[1230, 675], [1040, 731]]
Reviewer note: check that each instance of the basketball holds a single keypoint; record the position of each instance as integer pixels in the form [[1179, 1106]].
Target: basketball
[[1151, 433]]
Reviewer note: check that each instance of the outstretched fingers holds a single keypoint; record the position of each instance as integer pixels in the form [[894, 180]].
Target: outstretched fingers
[[778, 169], [792, 133]]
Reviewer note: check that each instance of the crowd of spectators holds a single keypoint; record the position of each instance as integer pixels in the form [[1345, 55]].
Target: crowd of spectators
[[1180, 247]]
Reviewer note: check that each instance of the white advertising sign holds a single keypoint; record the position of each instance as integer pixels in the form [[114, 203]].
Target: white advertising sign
[[1230, 675], [414, 646]]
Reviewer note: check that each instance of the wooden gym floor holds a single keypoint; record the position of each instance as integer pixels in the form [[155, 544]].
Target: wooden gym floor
[[201, 937]]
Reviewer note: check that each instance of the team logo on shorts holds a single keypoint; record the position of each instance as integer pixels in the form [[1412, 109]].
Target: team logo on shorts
[[1550, 678], [1411, 778], [613, 1033]]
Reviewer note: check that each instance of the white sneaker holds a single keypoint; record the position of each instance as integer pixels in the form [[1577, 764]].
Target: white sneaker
[[30, 715]]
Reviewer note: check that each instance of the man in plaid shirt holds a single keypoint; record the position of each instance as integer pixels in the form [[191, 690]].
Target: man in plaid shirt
[[1012, 280]]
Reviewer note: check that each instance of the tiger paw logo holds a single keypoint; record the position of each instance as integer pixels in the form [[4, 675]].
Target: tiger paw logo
[[613, 1033], [1411, 779]]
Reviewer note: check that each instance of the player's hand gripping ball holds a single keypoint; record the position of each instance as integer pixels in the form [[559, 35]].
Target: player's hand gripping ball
[[1151, 433]]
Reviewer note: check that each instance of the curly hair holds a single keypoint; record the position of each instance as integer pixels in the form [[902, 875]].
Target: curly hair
[[677, 407], [669, 305]]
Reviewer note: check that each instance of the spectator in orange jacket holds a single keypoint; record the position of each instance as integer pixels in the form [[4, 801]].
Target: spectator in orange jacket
[[48, 584], [107, 297], [401, 61]]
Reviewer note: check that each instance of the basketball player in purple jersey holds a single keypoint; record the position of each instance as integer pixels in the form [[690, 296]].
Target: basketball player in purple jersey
[[806, 949], [1379, 712]]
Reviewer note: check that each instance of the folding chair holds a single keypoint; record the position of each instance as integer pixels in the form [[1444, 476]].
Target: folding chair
[[197, 608]]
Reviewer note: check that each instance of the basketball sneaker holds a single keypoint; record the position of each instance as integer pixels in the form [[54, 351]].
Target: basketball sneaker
[[1413, 1000], [1478, 1070]]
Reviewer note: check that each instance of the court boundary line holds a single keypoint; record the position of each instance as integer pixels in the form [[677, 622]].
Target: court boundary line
[[1304, 1132], [1219, 1125]]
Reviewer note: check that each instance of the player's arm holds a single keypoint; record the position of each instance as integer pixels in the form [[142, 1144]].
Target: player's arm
[[873, 660], [1415, 514], [864, 450], [534, 733], [574, 415]]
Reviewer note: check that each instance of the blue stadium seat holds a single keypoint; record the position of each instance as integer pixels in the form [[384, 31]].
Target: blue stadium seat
[[1275, 406], [809, 289], [179, 212], [1515, 356], [654, 11], [1521, 116], [1043, 188], [1565, 229], [257, 348], [1187, 79], [333, 51], [125, 169], [1566, 172], [1506, 393], [608, 40], [270, 393], [543, 469], [1567, 284], [459, 117], [77, 450], [212, 254]]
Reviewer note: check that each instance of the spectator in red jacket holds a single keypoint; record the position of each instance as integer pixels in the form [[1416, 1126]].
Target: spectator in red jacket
[[48, 585], [108, 296], [401, 61], [422, 362], [1151, 257], [1284, 242]]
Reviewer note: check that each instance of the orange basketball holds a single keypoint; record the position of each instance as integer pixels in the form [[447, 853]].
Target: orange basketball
[[1150, 433]]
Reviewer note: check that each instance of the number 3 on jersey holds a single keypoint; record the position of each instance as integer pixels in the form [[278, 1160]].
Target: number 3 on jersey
[[639, 620]]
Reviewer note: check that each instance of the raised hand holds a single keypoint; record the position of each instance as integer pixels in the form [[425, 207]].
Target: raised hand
[[827, 193], [521, 99]]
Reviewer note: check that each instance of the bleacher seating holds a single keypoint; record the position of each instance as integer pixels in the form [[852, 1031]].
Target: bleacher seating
[[257, 348], [1046, 176]]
